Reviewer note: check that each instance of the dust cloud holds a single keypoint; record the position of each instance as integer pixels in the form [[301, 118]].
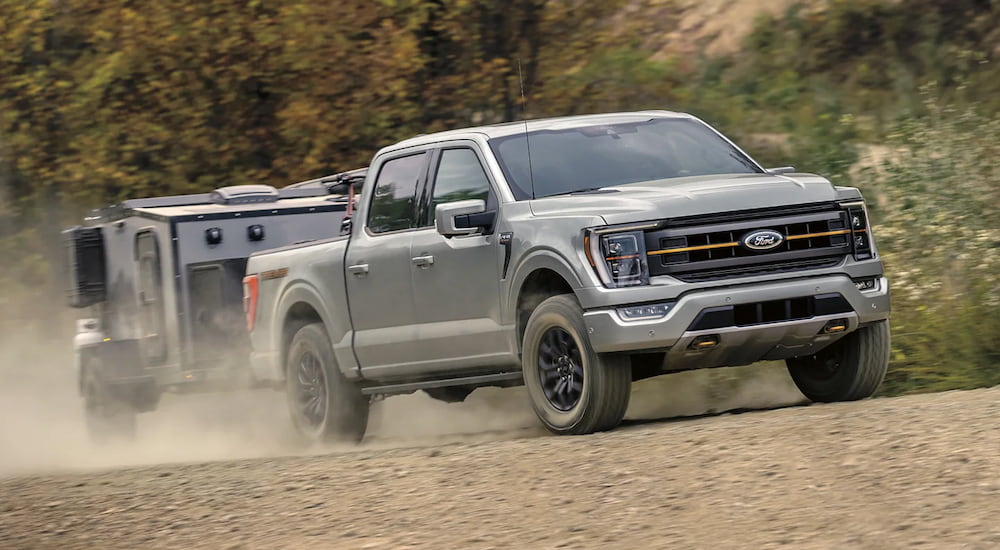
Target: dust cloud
[[42, 428]]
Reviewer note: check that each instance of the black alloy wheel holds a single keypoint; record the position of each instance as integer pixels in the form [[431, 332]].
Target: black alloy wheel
[[826, 363], [325, 407], [849, 369], [560, 368], [311, 395]]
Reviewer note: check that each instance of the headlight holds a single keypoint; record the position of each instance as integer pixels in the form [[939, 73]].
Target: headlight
[[619, 258], [861, 236], [867, 284]]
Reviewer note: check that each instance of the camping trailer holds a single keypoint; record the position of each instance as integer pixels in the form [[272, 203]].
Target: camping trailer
[[160, 280]]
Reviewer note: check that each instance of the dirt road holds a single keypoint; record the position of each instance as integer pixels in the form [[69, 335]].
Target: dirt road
[[919, 471]]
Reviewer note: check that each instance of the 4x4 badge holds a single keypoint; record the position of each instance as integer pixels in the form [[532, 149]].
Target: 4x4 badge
[[765, 239]]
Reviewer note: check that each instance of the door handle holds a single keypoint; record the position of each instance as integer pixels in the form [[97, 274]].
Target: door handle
[[423, 261], [360, 270]]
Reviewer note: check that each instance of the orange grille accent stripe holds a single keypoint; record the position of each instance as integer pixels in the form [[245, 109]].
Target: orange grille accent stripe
[[823, 234], [702, 247]]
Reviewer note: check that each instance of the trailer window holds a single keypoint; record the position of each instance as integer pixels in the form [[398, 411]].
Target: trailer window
[[393, 206], [150, 296]]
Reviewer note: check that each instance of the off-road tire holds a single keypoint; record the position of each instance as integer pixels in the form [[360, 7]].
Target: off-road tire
[[109, 416], [343, 413], [850, 369], [606, 379]]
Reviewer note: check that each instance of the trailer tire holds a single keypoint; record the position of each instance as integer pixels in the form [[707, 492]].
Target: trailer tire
[[109, 416], [324, 405], [573, 389]]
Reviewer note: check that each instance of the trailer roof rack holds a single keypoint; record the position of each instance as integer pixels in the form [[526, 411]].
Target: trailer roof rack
[[353, 177], [239, 195]]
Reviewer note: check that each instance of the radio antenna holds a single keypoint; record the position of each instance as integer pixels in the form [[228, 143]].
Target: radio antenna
[[524, 117]]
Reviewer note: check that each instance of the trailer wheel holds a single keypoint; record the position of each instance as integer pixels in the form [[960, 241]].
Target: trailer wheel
[[325, 406], [109, 417], [574, 390]]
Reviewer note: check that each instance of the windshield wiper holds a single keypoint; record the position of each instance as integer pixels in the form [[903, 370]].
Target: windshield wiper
[[583, 191]]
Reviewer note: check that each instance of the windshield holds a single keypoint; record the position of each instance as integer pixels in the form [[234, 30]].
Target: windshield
[[592, 157]]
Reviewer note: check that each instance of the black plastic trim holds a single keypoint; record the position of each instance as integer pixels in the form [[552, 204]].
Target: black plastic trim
[[770, 311], [761, 269], [774, 258], [482, 219], [408, 387]]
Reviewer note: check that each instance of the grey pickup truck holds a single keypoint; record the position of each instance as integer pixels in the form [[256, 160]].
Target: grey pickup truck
[[573, 255]]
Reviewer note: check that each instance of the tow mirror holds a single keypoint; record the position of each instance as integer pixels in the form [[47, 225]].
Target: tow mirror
[[461, 217]]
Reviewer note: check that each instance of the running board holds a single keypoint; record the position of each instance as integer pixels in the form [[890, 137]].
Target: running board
[[409, 387]]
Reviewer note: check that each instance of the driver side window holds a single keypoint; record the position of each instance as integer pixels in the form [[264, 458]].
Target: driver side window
[[460, 176]]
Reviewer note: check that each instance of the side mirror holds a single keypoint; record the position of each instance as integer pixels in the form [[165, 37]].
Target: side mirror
[[781, 170], [452, 218]]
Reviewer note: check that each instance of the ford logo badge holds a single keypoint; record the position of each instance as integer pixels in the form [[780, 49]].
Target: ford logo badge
[[765, 239]]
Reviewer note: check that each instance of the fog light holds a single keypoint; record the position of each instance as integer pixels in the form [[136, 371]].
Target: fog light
[[648, 311], [836, 325], [705, 342]]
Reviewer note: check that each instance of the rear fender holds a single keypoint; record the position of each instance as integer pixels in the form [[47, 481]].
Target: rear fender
[[337, 327]]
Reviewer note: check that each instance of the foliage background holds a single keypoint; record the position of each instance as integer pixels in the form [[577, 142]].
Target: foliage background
[[102, 100]]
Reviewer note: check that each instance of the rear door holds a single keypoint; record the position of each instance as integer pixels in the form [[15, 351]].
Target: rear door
[[378, 268], [456, 280]]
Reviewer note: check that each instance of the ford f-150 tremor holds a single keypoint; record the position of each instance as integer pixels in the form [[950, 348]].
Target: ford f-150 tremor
[[573, 255]]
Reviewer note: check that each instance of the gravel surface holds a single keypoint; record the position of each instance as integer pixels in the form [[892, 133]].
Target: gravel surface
[[912, 472]]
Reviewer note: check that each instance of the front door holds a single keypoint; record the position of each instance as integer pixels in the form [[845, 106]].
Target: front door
[[377, 267], [456, 280]]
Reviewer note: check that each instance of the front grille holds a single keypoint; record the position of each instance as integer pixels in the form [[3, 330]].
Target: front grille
[[760, 269], [811, 240]]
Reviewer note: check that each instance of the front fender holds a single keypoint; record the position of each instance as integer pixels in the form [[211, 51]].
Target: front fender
[[539, 258]]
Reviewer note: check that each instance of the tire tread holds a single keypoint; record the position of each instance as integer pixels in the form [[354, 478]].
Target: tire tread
[[610, 377]]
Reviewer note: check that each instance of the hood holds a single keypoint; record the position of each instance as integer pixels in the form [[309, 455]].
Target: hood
[[691, 196]]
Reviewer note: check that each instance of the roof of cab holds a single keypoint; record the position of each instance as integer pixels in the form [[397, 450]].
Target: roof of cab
[[518, 127]]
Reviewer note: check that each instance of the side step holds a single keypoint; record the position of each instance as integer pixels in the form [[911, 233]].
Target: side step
[[409, 387]]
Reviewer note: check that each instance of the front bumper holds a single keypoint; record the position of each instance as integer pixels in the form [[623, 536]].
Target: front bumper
[[739, 345]]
